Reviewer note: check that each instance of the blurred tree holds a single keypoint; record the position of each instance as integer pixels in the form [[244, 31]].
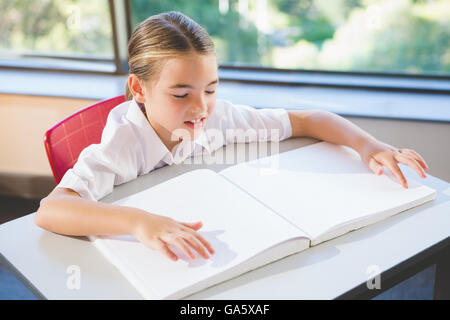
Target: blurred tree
[[67, 27], [392, 36], [234, 43], [405, 36], [310, 23]]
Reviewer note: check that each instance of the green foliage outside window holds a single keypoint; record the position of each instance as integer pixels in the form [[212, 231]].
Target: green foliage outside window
[[399, 36], [56, 27]]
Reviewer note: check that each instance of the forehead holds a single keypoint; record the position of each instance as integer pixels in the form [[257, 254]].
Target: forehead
[[190, 69]]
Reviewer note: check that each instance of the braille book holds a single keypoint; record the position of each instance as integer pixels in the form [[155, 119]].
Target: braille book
[[257, 212]]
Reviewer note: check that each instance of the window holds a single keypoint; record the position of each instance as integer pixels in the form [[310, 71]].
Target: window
[[381, 36], [401, 37], [74, 33]]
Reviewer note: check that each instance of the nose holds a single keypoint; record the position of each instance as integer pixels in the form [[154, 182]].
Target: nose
[[199, 107]]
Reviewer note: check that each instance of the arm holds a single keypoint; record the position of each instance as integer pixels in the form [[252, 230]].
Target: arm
[[327, 126], [65, 212]]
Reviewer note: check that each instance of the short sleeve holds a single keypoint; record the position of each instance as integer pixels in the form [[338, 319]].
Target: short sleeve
[[116, 160], [241, 123]]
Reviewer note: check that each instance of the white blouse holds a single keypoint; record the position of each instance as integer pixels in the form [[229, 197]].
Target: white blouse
[[130, 147]]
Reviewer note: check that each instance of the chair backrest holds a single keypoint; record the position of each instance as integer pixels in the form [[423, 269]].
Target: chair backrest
[[66, 139]]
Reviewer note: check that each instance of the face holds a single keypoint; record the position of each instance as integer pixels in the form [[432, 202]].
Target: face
[[179, 102]]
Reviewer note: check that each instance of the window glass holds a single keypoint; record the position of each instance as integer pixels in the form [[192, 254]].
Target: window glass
[[387, 36], [68, 28]]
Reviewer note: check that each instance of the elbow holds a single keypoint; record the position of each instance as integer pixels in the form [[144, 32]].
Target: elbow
[[41, 217], [303, 122], [50, 208], [315, 114]]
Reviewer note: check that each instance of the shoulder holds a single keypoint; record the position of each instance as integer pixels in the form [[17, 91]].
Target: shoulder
[[117, 117], [224, 111], [118, 133], [228, 115], [121, 123], [223, 106]]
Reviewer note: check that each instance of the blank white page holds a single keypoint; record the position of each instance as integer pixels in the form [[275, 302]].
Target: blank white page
[[237, 226], [324, 185]]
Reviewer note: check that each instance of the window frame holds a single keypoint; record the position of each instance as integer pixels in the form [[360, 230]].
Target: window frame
[[121, 23]]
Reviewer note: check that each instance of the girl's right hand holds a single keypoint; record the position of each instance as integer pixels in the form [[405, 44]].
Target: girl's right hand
[[157, 232]]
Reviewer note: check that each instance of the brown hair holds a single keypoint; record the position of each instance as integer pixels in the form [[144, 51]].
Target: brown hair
[[162, 36]]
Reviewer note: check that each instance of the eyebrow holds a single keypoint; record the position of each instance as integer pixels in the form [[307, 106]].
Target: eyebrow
[[181, 85]]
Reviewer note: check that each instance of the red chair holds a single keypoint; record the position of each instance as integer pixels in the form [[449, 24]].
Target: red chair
[[66, 139]]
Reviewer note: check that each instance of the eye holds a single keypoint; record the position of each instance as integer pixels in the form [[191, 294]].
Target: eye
[[210, 92], [180, 97]]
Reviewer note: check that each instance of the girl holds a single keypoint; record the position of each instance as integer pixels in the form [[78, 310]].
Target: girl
[[171, 93]]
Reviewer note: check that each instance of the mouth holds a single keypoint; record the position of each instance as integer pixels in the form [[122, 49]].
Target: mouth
[[195, 123]]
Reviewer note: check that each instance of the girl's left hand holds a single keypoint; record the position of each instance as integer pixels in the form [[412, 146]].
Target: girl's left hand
[[376, 154]]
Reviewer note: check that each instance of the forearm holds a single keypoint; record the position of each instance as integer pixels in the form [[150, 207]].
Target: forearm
[[75, 216], [327, 126]]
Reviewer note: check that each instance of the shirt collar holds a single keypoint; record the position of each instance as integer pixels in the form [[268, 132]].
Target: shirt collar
[[154, 148]]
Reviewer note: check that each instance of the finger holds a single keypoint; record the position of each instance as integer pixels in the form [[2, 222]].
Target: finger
[[416, 156], [393, 167], [174, 239], [375, 166], [201, 239], [192, 225], [162, 247], [181, 244], [196, 244], [411, 162]]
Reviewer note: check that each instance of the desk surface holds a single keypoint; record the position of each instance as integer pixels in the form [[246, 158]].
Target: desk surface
[[43, 260]]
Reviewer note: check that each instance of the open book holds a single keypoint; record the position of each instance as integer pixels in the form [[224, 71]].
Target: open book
[[256, 212]]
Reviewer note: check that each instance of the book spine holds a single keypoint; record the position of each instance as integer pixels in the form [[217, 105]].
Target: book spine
[[265, 205]]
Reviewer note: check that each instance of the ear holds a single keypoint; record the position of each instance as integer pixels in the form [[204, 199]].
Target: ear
[[136, 87]]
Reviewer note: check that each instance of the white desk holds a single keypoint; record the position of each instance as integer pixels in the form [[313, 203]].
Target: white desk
[[398, 246]]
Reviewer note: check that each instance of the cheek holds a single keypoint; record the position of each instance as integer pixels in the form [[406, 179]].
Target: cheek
[[211, 107], [176, 112], [166, 114], [211, 103]]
